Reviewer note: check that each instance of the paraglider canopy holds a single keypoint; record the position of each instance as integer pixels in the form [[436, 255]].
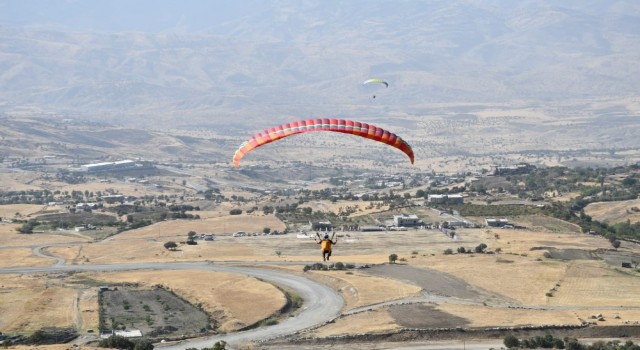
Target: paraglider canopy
[[344, 126], [375, 80]]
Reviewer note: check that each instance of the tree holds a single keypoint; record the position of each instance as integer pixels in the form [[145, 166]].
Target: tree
[[143, 345], [393, 258], [266, 230], [461, 250], [171, 245], [191, 234], [116, 342], [235, 211], [629, 182], [480, 248], [511, 341], [220, 345], [615, 243], [573, 344]]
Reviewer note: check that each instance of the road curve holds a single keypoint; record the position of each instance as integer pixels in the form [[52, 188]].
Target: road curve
[[321, 303]]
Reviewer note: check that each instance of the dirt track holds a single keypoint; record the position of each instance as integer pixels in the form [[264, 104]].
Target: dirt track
[[433, 282]]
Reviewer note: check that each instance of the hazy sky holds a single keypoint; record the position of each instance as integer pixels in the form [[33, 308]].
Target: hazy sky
[[123, 15]]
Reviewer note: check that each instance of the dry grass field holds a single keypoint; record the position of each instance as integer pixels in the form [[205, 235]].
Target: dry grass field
[[372, 321], [28, 303], [21, 257], [18, 181], [19, 211], [10, 237], [615, 212], [596, 284], [361, 207], [359, 289]]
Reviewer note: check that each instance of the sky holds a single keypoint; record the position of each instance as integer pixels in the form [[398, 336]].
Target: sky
[[138, 15]]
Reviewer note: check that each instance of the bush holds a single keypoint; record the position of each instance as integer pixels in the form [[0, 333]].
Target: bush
[[143, 345], [393, 258], [461, 250], [235, 211], [448, 251], [269, 322], [171, 245], [511, 341], [52, 335], [480, 248], [116, 342]]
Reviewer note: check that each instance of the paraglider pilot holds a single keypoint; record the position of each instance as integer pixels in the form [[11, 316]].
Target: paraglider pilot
[[325, 245]]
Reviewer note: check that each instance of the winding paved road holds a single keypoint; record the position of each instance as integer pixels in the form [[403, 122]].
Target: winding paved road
[[321, 303]]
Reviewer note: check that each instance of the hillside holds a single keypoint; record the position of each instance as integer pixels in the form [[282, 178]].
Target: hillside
[[203, 64]]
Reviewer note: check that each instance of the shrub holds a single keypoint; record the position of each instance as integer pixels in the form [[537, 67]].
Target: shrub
[[116, 342], [269, 322], [480, 248], [511, 341], [448, 251], [171, 245], [235, 211], [143, 345]]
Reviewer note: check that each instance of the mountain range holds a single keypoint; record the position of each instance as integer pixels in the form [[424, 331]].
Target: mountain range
[[163, 64]]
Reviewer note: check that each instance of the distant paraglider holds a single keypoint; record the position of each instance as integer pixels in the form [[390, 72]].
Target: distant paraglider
[[375, 81], [336, 125]]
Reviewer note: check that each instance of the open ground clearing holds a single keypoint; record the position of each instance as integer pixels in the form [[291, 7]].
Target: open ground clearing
[[234, 301], [615, 212], [19, 211], [360, 289], [21, 257], [17, 181], [156, 312], [28, 303]]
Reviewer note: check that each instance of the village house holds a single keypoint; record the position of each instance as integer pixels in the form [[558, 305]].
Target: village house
[[406, 220], [445, 199]]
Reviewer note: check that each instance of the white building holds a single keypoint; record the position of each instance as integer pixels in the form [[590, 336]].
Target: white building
[[445, 199], [406, 220], [107, 166], [492, 222]]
